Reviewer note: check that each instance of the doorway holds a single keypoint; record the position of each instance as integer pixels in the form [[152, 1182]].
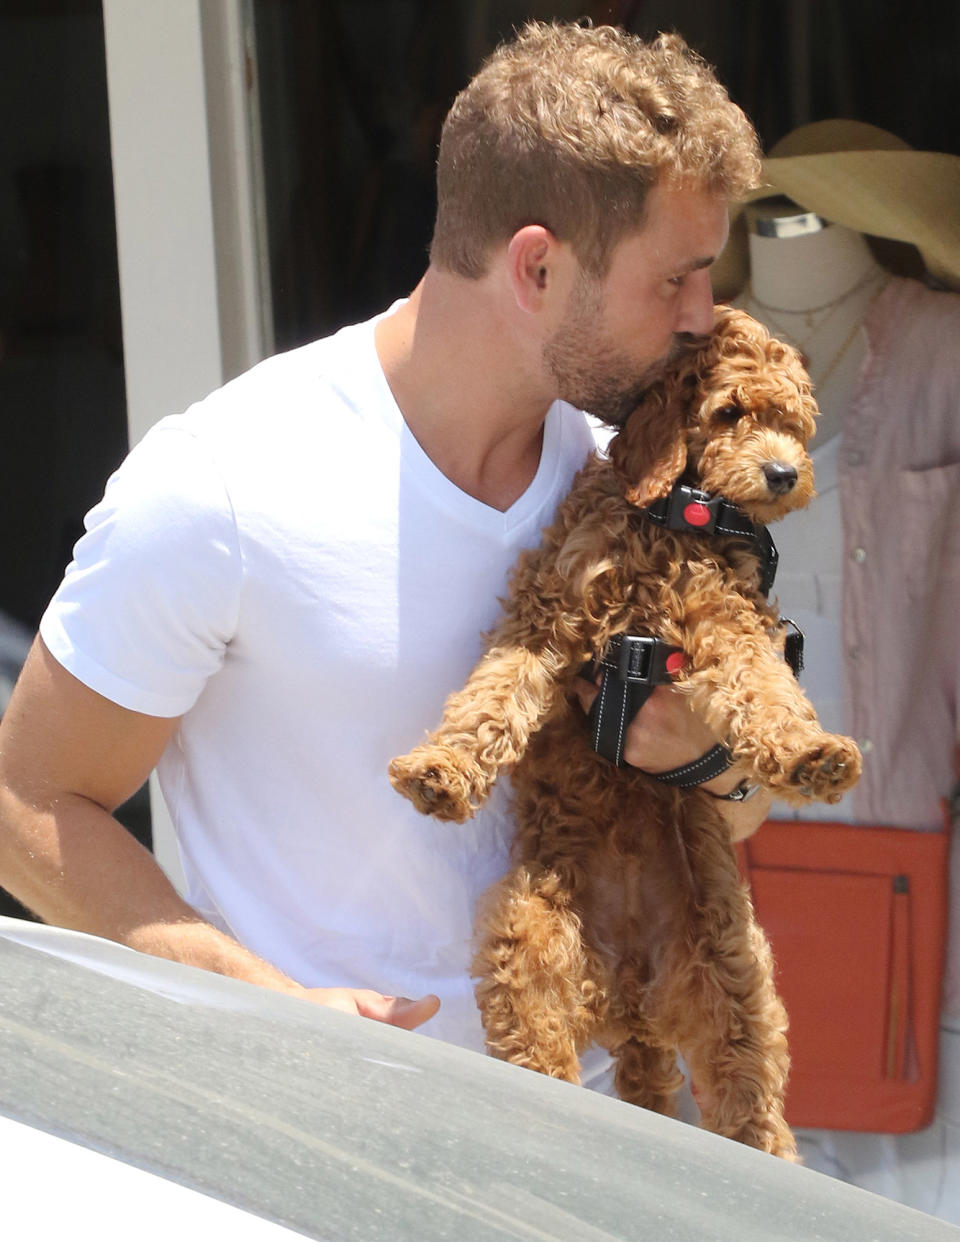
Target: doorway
[[63, 425]]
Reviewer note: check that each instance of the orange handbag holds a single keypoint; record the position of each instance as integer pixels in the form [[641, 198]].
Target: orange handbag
[[856, 917]]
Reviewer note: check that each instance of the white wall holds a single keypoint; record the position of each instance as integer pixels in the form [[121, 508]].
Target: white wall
[[191, 276], [162, 189]]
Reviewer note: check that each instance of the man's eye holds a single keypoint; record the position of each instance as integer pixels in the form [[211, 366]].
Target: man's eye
[[678, 280]]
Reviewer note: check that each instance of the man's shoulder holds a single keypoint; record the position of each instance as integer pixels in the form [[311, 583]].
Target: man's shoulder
[[328, 358], [286, 388]]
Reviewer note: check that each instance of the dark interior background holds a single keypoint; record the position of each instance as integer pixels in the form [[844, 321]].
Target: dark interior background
[[354, 92]]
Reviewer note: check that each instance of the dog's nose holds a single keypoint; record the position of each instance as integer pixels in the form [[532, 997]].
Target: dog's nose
[[780, 477]]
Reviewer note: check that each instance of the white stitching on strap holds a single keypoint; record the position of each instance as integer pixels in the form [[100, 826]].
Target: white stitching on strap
[[599, 717], [701, 762], [623, 716], [690, 770]]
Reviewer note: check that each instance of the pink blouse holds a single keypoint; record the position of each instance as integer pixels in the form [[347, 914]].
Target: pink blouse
[[899, 471]]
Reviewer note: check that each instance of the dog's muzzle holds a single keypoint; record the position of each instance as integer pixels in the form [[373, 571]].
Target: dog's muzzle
[[781, 478]]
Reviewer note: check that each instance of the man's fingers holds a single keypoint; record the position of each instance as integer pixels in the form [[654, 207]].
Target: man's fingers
[[397, 1010], [666, 733], [394, 1010], [586, 692], [335, 998]]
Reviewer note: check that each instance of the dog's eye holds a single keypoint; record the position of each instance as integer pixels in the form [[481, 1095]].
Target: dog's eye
[[729, 414]]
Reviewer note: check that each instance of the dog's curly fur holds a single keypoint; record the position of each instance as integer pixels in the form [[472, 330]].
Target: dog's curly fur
[[624, 920]]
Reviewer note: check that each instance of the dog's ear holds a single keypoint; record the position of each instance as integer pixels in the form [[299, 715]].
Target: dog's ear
[[650, 452]]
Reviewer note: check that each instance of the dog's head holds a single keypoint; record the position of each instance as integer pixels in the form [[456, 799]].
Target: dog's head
[[732, 417]]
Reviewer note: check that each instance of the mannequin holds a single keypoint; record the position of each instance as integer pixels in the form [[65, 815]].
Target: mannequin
[[881, 352], [811, 283]]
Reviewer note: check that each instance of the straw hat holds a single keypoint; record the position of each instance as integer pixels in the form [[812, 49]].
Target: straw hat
[[869, 180]]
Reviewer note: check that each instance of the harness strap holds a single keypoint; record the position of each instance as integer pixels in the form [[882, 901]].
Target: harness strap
[[709, 765], [631, 666], [793, 646], [689, 509]]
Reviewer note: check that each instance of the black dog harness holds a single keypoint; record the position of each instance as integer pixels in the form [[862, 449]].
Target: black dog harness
[[634, 664], [696, 512]]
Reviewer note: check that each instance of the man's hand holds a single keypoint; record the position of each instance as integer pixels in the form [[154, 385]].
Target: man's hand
[[394, 1010], [666, 733]]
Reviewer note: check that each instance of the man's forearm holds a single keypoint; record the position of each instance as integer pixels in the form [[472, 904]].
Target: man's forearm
[[73, 865]]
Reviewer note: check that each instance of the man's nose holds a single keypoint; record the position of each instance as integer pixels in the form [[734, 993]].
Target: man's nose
[[696, 313]]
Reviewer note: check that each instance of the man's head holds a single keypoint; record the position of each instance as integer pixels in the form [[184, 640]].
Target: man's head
[[618, 332], [570, 127]]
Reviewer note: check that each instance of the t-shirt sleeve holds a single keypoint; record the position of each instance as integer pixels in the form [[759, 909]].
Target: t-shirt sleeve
[[149, 603]]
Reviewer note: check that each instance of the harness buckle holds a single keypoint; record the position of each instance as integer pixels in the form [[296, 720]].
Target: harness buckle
[[641, 659], [633, 665], [634, 657], [689, 508]]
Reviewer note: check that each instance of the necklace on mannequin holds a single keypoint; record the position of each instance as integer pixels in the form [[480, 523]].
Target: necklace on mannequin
[[812, 325], [821, 380]]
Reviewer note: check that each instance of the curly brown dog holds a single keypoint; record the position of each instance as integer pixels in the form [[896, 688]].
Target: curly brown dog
[[623, 920]]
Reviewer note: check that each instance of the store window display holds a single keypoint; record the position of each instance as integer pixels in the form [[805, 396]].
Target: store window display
[[871, 571]]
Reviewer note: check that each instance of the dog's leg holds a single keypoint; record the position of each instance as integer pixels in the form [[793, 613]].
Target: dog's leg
[[646, 1071], [740, 684], [485, 727], [537, 985], [548, 628], [730, 1024], [647, 1075]]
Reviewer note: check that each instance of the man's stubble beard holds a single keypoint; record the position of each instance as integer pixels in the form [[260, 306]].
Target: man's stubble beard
[[588, 370]]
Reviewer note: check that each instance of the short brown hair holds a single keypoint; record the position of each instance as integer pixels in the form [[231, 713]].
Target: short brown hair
[[569, 127]]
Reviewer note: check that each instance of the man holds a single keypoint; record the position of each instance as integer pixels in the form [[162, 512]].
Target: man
[[281, 586]]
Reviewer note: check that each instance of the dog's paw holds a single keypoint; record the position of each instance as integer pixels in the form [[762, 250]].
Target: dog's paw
[[822, 771], [437, 782]]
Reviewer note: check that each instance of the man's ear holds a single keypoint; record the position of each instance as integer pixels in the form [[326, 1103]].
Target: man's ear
[[534, 260]]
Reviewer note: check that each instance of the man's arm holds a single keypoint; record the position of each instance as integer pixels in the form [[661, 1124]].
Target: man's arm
[[68, 759]]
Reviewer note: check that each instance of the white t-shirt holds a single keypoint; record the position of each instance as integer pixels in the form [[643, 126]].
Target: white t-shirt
[[285, 568]]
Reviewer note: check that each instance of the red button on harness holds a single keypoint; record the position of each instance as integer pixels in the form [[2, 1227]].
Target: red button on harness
[[696, 514]]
